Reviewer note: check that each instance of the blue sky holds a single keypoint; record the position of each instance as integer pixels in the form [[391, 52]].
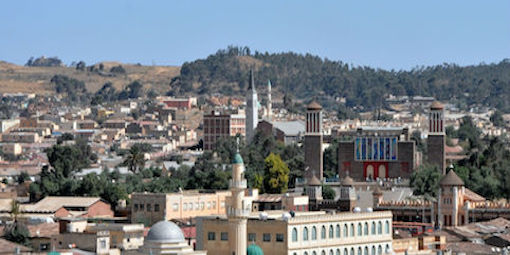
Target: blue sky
[[384, 34]]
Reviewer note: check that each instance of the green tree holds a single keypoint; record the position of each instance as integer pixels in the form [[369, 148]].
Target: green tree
[[497, 119], [276, 175], [425, 181], [328, 192], [135, 160]]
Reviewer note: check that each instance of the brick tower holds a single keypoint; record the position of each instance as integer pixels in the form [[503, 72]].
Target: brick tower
[[436, 138], [313, 141]]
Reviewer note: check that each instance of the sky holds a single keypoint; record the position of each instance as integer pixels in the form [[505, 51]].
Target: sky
[[399, 34]]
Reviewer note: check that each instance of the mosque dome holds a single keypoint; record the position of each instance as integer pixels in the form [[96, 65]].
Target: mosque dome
[[237, 159], [254, 249], [165, 232]]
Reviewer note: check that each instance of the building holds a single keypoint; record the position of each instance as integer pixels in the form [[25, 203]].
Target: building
[[287, 132], [221, 125], [150, 208], [292, 233], [79, 207], [12, 149], [19, 137], [6, 125], [376, 152], [181, 103], [313, 141], [167, 238], [304, 234], [436, 139], [252, 109]]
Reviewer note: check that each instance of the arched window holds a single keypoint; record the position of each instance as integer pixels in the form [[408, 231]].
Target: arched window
[[306, 253], [379, 250], [379, 228], [323, 232], [314, 233], [387, 227], [373, 250], [359, 230], [352, 251], [337, 231], [387, 249], [323, 252], [314, 253], [366, 250], [331, 233], [352, 230], [305, 234], [365, 230], [346, 231], [373, 228], [338, 252], [294, 253], [294, 235], [331, 252], [346, 252], [359, 251]]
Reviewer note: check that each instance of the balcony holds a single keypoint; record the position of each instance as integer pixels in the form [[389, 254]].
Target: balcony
[[238, 184]]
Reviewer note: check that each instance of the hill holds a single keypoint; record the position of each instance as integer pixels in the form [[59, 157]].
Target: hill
[[306, 77], [36, 79]]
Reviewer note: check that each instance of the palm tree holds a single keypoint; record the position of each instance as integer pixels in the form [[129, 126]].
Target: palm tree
[[135, 160]]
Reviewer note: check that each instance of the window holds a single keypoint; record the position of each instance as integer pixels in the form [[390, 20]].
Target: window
[[211, 236], [373, 250], [224, 236], [305, 234], [149, 207], [252, 237], [366, 229], [175, 207], [196, 206], [379, 250], [387, 249], [208, 205], [279, 238], [373, 228], [185, 206], [352, 251], [306, 253], [202, 205], [338, 252], [103, 244], [214, 204], [387, 227], [314, 253], [323, 232], [156, 207], [323, 253], [338, 232], [136, 207], [331, 252], [294, 235], [346, 252], [366, 250], [352, 230], [379, 228], [346, 231], [314, 233], [222, 204], [266, 237], [359, 251], [331, 232], [360, 233], [142, 207]]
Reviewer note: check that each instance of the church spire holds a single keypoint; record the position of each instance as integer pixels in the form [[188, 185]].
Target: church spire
[[252, 110]]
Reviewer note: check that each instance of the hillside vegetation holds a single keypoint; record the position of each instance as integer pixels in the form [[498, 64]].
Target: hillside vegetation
[[307, 76], [37, 79]]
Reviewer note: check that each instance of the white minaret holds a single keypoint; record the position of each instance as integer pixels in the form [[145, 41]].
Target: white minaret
[[238, 209], [252, 111], [269, 106]]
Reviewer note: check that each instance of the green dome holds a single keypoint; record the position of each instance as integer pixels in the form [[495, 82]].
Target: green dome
[[253, 249], [237, 159]]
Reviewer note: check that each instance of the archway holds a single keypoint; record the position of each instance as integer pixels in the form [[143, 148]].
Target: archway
[[382, 171]]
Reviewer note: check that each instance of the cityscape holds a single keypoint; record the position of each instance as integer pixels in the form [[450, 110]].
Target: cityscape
[[248, 151]]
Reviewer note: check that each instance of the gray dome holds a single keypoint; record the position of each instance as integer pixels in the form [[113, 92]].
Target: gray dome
[[165, 232]]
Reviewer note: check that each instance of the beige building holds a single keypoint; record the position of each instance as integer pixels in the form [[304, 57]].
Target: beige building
[[153, 207], [12, 149], [292, 233], [309, 233]]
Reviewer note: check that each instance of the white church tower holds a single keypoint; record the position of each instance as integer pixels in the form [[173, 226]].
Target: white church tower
[[269, 107], [252, 110]]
